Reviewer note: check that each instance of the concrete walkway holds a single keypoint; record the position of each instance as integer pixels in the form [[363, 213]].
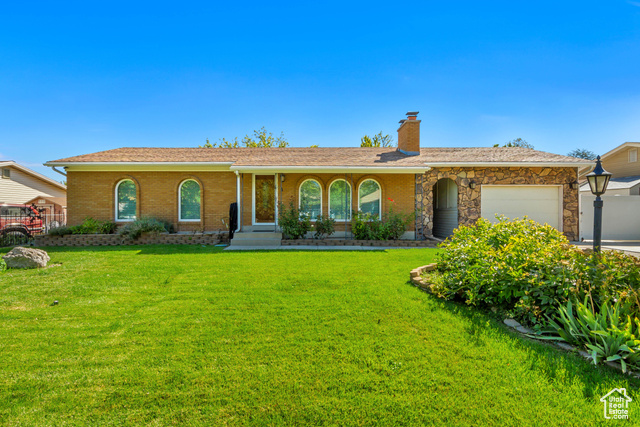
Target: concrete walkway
[[628, 247], [313, 248]]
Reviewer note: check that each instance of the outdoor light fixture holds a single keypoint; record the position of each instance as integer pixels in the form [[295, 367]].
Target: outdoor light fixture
[[472, 185], [598, 181], [573, 185], [282, 178]]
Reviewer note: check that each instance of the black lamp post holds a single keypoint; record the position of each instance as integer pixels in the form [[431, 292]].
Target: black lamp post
[[598, 181]]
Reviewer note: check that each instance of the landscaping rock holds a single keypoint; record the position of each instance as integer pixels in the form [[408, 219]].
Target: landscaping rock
[[512, 323], [565, 346], [20, 257], [524, 330]]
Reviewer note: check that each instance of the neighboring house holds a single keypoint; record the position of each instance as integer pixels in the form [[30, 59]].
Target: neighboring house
[[620, 213], [194, 187], [20, 185], [622, 162]]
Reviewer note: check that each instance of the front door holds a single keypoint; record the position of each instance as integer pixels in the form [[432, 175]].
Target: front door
[[264, 199]]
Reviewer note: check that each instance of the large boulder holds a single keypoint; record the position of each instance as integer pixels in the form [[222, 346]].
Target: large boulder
[[20, 257]]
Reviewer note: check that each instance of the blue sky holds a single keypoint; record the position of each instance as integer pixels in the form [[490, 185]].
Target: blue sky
[[83, 77]]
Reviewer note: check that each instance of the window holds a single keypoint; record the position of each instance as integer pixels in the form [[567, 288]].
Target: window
[[126, 200], [370, 197], [340, 200], [311, 198], [189, 201], [633, 155], [6, 173]]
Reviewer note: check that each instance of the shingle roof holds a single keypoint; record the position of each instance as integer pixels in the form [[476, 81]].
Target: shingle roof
[[622, 183], [323, 156]]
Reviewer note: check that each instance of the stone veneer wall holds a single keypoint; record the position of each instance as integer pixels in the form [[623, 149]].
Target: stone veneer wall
[[469, 200], [116, 239]]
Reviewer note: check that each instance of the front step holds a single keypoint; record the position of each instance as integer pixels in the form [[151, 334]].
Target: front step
[[256, 238]]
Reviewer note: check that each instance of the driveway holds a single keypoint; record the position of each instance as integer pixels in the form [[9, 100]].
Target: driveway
[[628, 247]]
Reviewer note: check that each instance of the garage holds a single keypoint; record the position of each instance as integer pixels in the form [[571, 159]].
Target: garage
[[541, 203]]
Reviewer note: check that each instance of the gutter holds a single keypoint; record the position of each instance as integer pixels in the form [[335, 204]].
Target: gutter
[[51, 164], [332, 169]]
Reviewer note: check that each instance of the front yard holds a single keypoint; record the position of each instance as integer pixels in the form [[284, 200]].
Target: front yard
[[193, 335]]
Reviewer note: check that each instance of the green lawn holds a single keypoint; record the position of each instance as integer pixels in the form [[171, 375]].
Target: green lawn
[[163, 335]]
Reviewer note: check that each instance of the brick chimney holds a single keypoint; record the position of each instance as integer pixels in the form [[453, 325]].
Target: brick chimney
[[409, 135]]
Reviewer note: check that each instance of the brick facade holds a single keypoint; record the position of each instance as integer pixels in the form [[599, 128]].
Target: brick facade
[[92, 194]]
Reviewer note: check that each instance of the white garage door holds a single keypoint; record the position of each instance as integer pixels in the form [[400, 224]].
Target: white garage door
[[540, 203]]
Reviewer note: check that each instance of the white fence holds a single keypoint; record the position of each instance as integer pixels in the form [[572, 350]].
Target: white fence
[[620, 217]]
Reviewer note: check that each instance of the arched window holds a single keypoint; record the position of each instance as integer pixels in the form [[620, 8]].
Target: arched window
[[126, 200], [310, 198], [189, 201], [370, 197], [340, 200]]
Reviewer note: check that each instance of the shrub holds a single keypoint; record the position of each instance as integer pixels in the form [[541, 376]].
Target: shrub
[[134, 229], [294, 224], [529, 270], [324, 226], [366, 226], [3, 265], [395, 224], [60, 231], [88, 226], [519, 266]]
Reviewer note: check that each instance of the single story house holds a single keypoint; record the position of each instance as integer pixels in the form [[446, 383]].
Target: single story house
[[20, 185], [446, 187]]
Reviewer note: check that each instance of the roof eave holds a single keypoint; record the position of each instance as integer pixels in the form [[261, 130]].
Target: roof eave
[[31, 172], [331, 169], [510, 164]]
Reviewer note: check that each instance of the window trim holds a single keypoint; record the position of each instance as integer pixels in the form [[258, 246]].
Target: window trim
[[350, 216], [300, 196], [379, 200], [8, 175], [635, 152], [117, 219], [180, 219]]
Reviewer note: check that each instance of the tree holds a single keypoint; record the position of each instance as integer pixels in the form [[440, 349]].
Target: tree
[[518, 142], [261, 139], [378, 140], [582, 153]]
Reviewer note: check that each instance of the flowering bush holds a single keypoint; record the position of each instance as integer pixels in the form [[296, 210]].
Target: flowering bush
[[529, 270]]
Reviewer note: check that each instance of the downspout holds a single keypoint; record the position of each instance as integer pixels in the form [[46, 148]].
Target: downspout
[[239, 200], [56, 170]]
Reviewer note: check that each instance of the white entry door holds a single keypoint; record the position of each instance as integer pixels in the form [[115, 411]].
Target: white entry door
[[541, 203]]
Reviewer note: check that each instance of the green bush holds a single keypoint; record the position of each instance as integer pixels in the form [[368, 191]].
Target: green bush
[[324, 226], [366, 226], [134, 229], [88, 226], [3, 265], [60, 231], [518, 266], [529, 270], [396, 223], [294, 224]]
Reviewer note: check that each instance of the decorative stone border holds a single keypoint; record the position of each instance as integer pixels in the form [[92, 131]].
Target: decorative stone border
[[418, 281], [416, 276], [144, 239], [349, 242]]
